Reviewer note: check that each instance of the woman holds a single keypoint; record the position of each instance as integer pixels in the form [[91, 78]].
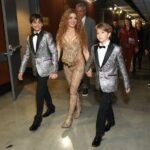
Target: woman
[[72, 43], [138, 56], [128, 42]]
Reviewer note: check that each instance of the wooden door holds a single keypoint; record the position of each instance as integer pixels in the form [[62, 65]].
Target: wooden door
[[4, 70], [11, 43]]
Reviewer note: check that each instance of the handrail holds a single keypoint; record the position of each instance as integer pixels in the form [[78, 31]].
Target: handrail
[[3, 55], [14, 48]]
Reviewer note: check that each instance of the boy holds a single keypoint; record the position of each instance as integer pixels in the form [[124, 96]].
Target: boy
[[42, 49], [107, 57]]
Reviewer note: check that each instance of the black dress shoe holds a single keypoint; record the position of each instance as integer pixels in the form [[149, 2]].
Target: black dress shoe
[[108, 126], [85, 92], [97, 141], [36, 123], [48, 112]]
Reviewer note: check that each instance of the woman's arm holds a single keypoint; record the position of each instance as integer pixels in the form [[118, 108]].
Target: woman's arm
[[59, 50], [90, 59], [86, 53]]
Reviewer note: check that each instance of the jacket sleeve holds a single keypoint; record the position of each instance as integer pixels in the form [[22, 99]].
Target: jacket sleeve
[[122, 68], [54, 53], [25, 58]]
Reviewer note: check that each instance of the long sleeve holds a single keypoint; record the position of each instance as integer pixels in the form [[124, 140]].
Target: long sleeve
[[123, 70], [54, 53], [25, 58]]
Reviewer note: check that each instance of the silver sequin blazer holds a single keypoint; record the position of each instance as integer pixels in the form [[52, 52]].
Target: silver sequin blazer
[[107, 73], [44, 59]]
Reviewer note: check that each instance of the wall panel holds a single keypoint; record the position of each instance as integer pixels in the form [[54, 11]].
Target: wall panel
[[4, 71]]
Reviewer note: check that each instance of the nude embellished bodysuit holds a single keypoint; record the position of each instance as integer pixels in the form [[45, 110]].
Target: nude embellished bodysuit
[[74, 62]]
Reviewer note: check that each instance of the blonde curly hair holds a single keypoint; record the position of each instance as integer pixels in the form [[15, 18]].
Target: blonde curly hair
[[63, 28]]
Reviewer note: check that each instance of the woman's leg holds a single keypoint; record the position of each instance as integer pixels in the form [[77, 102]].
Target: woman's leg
[[73, 77], [74, 96], [78, 108], [68, 74]]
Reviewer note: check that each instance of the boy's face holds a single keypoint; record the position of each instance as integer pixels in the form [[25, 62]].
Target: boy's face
[[37, 25], [102, 35]]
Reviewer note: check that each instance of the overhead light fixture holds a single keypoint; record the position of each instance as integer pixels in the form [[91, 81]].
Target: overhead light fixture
[[110, 8], [91, 1], [128, 16], [115, 8], [120, 11]]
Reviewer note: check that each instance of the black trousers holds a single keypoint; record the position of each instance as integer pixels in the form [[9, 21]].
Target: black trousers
[[85, 82], [138, 56], [42, 93], [105, 113]]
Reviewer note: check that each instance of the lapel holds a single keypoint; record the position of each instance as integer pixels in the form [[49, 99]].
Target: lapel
[[31, 43], [108, 53], [86, 23], [96, 55], [39, 40]]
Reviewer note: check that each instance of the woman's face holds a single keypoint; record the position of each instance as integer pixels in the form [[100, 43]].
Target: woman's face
[[138, 24], [127, 22], [72, 20]]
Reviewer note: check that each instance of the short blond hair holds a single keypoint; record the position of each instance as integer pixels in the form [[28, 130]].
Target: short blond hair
[[104, 26]]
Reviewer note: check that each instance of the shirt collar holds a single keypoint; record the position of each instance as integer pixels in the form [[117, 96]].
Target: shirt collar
[[105, 43], [83, 19], [36, 32]]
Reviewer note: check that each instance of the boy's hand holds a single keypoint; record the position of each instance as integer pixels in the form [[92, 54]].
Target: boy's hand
[[53, 75], [128, 90], [20, 76], [89, 73]]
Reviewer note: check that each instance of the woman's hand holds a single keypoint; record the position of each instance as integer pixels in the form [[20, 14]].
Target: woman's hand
[[53, 75], [89, 73]]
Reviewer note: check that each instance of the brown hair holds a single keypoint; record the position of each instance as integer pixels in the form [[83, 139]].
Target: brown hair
[[63, 28], [35, 17], [130, 22], [104, 26]]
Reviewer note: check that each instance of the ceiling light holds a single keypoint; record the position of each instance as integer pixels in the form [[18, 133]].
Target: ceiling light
[[91, 1]]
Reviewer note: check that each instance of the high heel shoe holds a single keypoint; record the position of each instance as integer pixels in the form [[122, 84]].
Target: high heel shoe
[[76, 114], [68, 122], [77, 111]]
